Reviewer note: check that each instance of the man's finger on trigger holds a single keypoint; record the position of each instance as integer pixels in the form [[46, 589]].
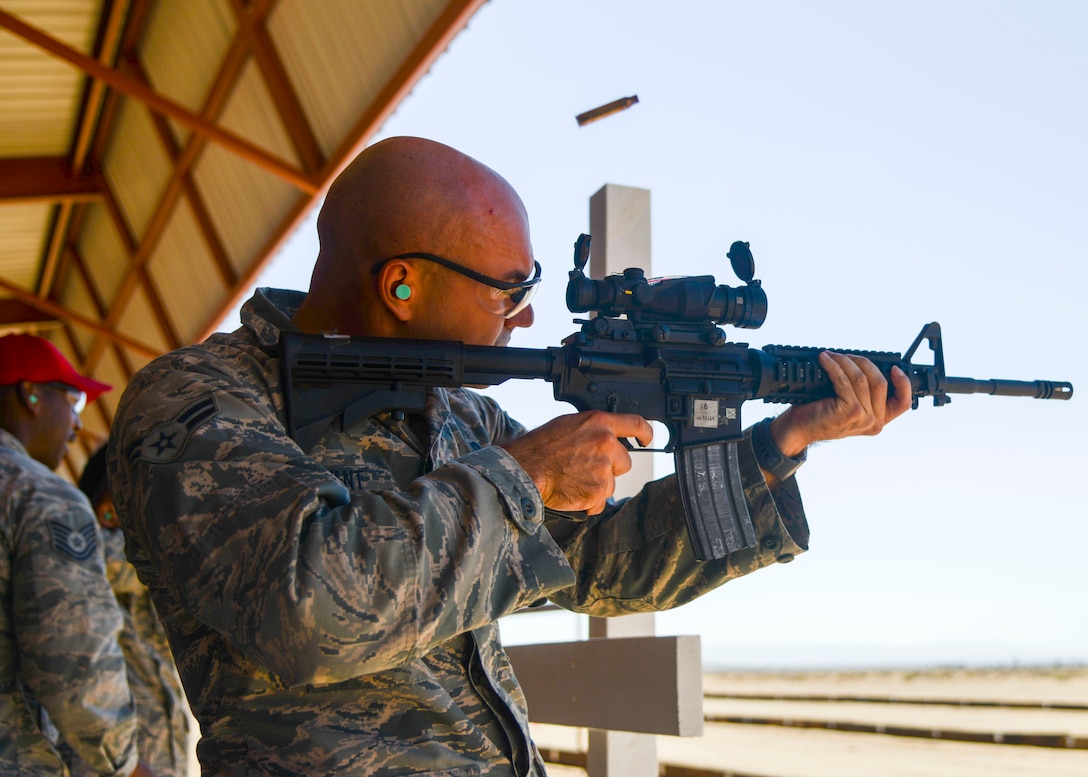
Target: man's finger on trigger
[[631, 425]]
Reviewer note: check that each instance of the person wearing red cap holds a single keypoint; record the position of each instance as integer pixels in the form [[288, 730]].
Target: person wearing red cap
[[62, 674], [39, 378]]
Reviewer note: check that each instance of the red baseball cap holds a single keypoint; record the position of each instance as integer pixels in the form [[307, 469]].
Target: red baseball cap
[[28, 357]]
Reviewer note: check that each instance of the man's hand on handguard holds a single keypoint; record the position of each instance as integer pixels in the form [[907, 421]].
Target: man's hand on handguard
[[861, 405], [575, 459]]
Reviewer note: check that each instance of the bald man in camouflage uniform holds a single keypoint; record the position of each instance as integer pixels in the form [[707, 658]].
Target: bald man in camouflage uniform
[[62, 675], [334, 610]]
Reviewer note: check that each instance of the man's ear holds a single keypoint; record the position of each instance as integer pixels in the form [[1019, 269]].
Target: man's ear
[[30, 397], [398, 286]]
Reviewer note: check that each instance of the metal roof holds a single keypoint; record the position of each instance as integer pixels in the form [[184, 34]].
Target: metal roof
[[154, 155]]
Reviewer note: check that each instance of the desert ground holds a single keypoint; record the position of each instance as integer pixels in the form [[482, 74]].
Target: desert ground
[[949, 722]]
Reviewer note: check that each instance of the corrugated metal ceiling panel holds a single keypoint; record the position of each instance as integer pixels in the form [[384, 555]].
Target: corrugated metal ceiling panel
[[183, 45], [184, 274], [341, 53], [39, 96], [102, 245], [136, 167], [20, 251]]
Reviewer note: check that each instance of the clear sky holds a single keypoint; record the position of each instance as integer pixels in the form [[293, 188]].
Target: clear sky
[[891, 164]]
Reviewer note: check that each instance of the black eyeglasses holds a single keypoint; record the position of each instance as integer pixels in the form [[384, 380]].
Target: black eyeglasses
[[77, 398], [519, 294]]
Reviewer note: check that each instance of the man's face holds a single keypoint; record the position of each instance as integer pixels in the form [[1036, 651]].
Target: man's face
[[57, 422], [453, 306]]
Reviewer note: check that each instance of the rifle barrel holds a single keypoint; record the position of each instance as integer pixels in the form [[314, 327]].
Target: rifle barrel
[[1036, 389]]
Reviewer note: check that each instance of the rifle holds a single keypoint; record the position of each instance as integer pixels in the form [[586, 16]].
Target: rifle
[[654, 348]]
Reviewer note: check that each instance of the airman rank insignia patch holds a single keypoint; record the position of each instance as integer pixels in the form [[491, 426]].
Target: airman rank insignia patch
[[165, 442], [77, 544]]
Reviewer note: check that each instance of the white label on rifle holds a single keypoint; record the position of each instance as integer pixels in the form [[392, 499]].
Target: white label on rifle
[[705, 413]]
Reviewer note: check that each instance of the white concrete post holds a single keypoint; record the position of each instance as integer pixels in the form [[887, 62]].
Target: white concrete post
[[619, 221]]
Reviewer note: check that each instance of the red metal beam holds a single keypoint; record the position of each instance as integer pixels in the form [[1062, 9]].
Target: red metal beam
[[157, 102], [135, 276], [45, 180], [61, 312], [252, 28], [94, 92], [109, 36], [192, 194], [226, 79], [14, 312], [99, 304]]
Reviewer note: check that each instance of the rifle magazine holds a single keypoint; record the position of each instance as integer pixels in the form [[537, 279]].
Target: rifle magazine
[[717, 512]]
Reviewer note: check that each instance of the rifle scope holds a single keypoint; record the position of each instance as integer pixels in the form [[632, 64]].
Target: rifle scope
[[690, 299]]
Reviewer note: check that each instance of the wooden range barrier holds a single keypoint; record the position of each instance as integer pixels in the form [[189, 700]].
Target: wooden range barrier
[[648, 685]]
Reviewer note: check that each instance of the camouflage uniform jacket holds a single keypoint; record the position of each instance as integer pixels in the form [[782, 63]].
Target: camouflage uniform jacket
[[58, 629], [335, 611], [162, 725]]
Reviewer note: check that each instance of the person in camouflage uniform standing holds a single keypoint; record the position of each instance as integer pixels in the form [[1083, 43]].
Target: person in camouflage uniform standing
[[162, 725], [335, 610], [62, 675]]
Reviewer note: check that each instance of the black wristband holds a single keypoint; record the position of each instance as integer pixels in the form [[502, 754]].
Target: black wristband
[[769, 458]]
